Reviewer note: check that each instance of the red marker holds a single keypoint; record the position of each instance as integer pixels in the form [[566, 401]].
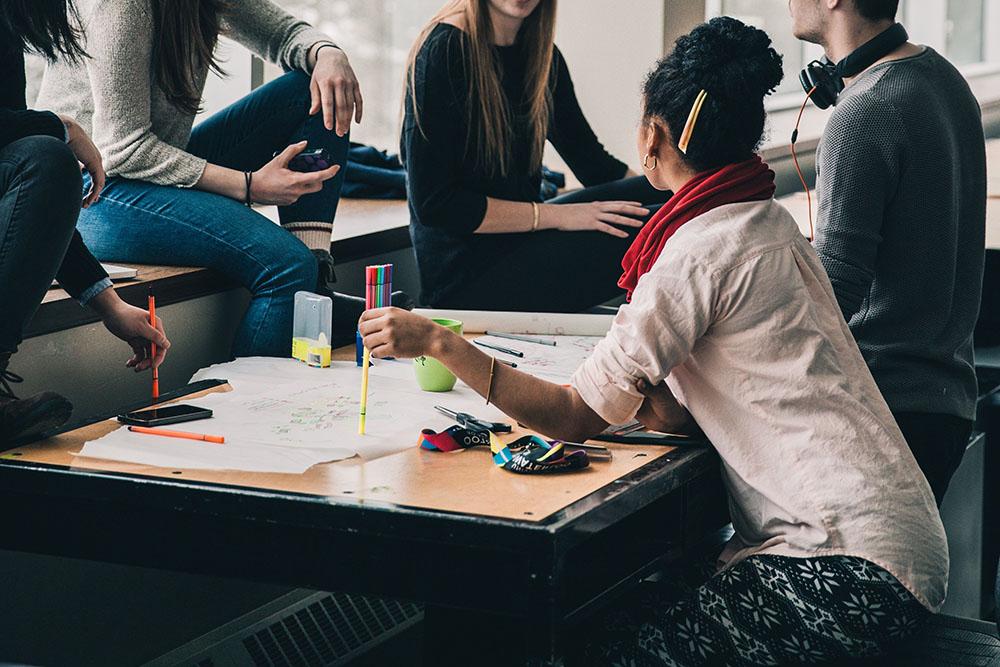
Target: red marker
[[152, 346], [217, 439]]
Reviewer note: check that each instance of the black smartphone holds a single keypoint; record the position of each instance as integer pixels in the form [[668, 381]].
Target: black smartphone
[[168, 414], [316, 159]]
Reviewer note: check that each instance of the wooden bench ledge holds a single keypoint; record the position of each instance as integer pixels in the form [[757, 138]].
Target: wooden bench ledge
[[171, 284], [363, 228]]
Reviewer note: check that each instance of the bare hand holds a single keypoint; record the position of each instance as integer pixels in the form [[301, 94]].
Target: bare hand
[[132, 325], [88, 155], [335, 90], [660, 410], [394, 332], [599, 216], [275, 183]]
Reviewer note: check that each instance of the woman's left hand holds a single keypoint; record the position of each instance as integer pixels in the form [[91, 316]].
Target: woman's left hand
[[394, 332], [335, 90], [132, 325]]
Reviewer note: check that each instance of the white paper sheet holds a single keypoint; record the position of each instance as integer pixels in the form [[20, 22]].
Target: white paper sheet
[[553, 363], [283, 416], [560, 324], [122, 445]]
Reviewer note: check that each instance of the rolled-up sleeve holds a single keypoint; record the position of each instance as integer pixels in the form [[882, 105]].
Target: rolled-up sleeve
[[671, 308]]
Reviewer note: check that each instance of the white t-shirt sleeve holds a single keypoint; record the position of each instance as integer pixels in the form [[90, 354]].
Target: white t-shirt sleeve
[[671, 308]]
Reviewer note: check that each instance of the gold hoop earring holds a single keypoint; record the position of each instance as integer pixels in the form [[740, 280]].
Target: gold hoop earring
[[645, 162]]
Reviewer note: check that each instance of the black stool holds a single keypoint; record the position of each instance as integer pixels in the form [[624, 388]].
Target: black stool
[[946, 641]]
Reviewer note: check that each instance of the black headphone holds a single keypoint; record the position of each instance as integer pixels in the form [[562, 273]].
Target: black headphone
[[828, 78]]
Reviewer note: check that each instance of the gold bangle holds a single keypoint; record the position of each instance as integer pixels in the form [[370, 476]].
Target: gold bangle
[[534, 213], [489, 390]]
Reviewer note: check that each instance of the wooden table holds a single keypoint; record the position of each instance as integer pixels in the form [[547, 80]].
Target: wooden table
[[481, 547]]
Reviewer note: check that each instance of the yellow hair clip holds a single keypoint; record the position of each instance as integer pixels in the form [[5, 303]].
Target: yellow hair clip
[[692, 119]]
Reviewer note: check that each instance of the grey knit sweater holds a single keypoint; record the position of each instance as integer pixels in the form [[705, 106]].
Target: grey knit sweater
[[140, 133], [901, 230]]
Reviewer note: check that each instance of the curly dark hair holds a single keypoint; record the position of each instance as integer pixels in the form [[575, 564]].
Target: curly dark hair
[[737, 67]]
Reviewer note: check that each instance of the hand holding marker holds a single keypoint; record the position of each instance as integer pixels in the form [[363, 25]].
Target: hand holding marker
[[378, 291]]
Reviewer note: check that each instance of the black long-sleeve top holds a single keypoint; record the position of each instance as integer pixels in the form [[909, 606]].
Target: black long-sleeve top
[[79, 269], [448, 191]]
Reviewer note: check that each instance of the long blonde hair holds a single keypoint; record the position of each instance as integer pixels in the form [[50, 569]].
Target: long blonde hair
[[493, 141]]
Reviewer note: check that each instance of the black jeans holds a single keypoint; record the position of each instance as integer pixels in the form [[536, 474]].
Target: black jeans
[[40, 186], [938, 443], [561, 272]]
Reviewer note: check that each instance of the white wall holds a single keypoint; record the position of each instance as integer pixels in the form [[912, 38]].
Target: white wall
[[610, 46]]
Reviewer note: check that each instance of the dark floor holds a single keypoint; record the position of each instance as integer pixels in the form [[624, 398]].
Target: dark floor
[[406, 648]]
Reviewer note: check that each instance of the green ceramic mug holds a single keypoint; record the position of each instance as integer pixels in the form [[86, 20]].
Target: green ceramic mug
[[432, 375]]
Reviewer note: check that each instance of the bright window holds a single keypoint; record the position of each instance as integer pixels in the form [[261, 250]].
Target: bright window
[[377, 35], [772, 17], [959, 29]]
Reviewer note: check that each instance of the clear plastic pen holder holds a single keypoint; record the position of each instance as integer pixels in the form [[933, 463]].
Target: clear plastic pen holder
[[312, 328]]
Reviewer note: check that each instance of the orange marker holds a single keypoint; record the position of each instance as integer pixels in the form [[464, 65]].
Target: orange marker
[[152, 346], [217, 439]]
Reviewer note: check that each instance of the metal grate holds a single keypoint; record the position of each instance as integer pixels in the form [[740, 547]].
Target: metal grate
[[326, 631]]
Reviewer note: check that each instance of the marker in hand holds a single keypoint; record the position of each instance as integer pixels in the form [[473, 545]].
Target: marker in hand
[[152, 346]]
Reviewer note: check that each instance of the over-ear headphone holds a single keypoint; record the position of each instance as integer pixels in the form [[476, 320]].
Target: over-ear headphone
[[825, 80]]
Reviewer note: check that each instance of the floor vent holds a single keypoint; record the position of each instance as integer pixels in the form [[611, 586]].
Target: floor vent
[[299, 629]]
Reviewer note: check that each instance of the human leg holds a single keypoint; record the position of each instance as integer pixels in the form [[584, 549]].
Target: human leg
[[246, 134], [144, 223], [39, 202], [938, 442], [548, 271], [558, 271], [626, 189], [766, 610]]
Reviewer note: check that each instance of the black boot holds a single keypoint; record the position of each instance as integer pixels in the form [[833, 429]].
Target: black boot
[[325, 276], [26, 419]]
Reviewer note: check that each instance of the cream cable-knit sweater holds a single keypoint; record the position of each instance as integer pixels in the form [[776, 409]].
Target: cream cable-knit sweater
[[113, 96]]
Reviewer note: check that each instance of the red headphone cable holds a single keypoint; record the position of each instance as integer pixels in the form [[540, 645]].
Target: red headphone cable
[[795, 159]]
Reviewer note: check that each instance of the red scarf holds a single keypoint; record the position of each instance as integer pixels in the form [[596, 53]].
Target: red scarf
[[751, 180]]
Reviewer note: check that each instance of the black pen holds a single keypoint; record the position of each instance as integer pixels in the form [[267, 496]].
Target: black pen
[[522, 338], [505, 350]]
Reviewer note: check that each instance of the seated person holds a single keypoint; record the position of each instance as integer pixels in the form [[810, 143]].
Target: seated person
[[40, 184], [839, 548], [486, 88], [180, 197]]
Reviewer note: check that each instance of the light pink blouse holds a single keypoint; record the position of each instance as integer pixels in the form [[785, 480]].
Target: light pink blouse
[[739, 317]]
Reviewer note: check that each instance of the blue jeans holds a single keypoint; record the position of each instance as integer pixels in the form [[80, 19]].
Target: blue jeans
[[140, 222]]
